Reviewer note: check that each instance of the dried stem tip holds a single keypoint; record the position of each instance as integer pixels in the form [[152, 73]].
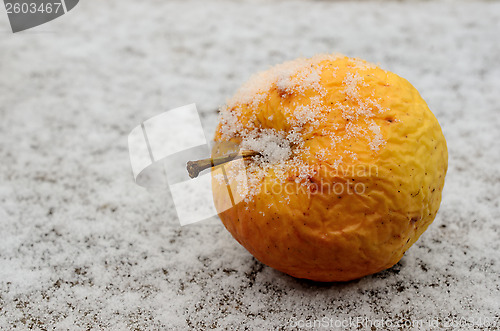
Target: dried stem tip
[[195, 167]]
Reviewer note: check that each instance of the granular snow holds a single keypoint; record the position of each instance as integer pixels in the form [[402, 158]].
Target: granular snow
[[281, 151]]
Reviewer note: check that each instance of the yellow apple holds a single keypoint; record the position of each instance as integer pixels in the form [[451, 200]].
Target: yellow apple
[[349, 172]]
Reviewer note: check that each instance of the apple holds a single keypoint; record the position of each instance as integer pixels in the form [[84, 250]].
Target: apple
[[345, 172]]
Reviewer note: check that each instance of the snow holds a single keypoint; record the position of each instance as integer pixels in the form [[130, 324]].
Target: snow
[[83, 246], [299, 83]]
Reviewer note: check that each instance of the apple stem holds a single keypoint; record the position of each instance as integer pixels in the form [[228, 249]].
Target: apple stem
[[195, 167]]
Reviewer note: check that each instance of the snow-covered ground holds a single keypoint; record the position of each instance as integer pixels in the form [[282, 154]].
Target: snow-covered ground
[[82, 246]]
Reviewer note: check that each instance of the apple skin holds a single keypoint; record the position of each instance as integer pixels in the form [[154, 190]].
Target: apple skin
[[312, 226]]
